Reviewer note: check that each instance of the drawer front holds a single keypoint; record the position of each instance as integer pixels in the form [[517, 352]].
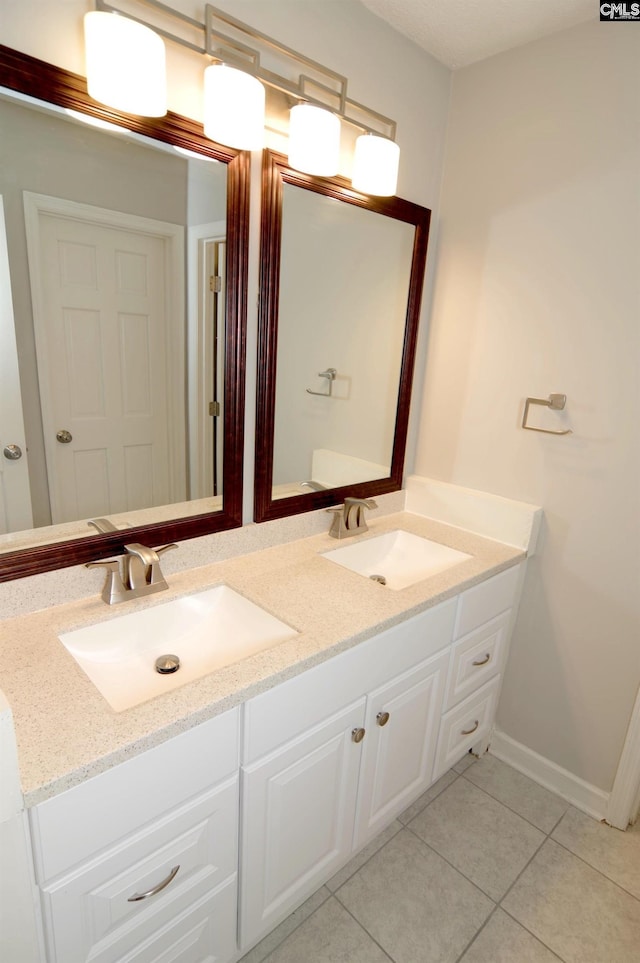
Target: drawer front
[[205, 933], [68, 828], [462, 727], [89, 914], [476, 658], [287, 710], [487, 600]]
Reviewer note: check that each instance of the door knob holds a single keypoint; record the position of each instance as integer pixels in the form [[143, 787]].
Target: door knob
[[12, 452], [64, 436]]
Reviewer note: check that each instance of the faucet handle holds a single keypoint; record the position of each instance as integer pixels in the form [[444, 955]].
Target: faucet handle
[[114, 589], [156, 577], [338, 528]]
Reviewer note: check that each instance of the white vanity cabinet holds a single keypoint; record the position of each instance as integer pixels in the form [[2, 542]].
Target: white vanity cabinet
[[193, 851], [417, 697], [311, 800], [140, 862]]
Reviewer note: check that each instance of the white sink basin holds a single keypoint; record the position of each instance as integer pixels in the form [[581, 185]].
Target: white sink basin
[[400, 558], [206, 631]]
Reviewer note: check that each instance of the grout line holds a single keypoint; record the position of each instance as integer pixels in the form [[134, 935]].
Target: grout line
[[478, 932], [449, 863], [595, 869], [527, 930], [426, 805], [265, 959], [515, 811], [363, 928], [366, 862]]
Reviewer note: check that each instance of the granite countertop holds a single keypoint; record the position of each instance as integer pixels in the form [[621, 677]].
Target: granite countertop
[[66, 732]]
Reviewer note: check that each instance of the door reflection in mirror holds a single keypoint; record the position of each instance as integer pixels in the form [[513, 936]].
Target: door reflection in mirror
[[115, 244], [344, 286]]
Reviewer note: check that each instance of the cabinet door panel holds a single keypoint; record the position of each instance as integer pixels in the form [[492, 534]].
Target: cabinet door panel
[[398, 755], [298, 820]]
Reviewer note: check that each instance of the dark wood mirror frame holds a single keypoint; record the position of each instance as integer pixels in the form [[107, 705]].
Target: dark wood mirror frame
[[276, 173], [26, 75]]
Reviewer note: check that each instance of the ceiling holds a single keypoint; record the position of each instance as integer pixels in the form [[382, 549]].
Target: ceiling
[[461, 32]]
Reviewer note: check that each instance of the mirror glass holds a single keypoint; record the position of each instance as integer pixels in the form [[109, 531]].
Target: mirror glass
[[343, 274], [344, 284], [116, 257], [122, 324]]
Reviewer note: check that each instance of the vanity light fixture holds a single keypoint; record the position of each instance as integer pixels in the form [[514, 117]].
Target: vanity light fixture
[[375, 165], [314, 140], [125, 63], [124, 67], [234, 105]]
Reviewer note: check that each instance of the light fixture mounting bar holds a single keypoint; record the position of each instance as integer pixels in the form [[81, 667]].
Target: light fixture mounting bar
[[315, 83]]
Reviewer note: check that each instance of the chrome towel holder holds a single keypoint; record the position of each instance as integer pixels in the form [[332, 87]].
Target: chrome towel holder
[[330, 375], [556, 402]]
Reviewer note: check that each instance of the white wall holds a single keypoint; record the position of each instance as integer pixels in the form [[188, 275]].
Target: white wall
[[537, 291]]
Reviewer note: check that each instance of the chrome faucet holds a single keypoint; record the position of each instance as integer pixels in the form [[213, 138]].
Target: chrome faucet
[[134, 574], [349, 519]]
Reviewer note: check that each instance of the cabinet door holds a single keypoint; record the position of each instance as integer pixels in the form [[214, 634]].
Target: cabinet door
[[401, 725], [298, 811]]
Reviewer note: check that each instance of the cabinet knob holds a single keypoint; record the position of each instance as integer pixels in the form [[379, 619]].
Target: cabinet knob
[[382, 718], [357, 735], [467, 732], [482, 661]]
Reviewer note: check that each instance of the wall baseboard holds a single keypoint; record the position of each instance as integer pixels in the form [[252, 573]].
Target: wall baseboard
[[585, 797]]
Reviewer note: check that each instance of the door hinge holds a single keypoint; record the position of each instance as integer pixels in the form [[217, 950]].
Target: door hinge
[[214, 408], [215, 283]]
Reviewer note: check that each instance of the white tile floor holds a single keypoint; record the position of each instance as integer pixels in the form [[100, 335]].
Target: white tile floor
[[486, 867]]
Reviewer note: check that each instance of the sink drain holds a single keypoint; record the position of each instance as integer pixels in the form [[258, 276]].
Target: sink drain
[[378, 578], [166, 664]]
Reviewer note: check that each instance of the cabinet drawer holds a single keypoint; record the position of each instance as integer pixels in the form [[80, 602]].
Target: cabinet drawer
[[287, 710], [205, 933], [483, 602], [476, 658], [68, 828], [462, 727], [89, 913]]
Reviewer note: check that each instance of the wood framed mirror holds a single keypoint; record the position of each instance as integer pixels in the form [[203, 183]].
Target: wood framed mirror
[[200, 497], [341, 284]]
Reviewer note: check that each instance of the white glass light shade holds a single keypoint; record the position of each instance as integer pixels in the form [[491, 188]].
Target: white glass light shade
[[375, 165], [314, 140], [233, 107], [126, 64]]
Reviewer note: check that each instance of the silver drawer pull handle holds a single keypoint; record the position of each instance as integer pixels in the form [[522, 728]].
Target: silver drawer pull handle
[[467, 732], [482, 661], [156, 889]]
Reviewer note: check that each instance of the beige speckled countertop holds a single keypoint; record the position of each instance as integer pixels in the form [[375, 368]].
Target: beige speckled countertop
[[66, 731]]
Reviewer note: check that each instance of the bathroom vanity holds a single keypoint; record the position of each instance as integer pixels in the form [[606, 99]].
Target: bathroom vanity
[[259, 781]]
